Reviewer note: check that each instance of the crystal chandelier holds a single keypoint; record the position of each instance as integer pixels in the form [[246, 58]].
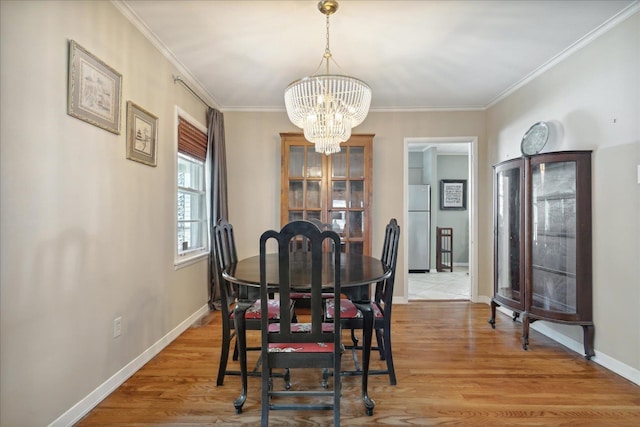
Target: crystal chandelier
[[327, 105]]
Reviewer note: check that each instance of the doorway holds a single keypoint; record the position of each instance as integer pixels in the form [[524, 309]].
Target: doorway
[[428, 161]]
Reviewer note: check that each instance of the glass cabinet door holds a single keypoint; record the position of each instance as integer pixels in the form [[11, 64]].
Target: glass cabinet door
[[334, 189], [509, 243], [553, 236], [304, 183], [348, 192]]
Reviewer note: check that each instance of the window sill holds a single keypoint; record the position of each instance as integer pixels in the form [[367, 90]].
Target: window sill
[[190, 259]]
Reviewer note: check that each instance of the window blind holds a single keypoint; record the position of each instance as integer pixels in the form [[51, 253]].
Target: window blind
[[191, 140]]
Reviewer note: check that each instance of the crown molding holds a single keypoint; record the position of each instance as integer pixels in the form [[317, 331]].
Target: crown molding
[[184, 72], [630, 10]]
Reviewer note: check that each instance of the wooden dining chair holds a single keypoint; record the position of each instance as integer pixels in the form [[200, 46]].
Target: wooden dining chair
[[352, 318], [226, 255], [315, 344], [302, 299]]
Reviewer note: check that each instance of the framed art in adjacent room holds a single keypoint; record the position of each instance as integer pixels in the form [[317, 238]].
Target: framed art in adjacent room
[[142, 135], [453, 194], [94, 90]]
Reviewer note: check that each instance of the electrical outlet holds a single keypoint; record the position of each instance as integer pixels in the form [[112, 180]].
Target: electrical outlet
[[117, 327]]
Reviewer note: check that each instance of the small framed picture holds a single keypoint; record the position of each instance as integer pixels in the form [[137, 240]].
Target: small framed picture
[[142, 135], [94, 90], [453, 194]]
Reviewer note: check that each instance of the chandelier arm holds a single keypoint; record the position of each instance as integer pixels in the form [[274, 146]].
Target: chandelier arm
[[336, 64], [318, 67]]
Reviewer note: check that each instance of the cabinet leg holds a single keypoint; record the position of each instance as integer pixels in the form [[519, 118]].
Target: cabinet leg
[[492, 321], [525, 332], [589, 332]]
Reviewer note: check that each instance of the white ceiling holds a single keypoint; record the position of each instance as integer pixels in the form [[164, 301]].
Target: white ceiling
[[415, 55]]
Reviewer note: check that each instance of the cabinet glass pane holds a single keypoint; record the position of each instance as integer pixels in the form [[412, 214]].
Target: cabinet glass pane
[[295, 215], [314, 163], [553, 256], [355, 247], [356, 162], [508, 234], [296, 161], [313, 195], [356, 189], [296, 189], [339, 194], [313, 215], [356, 222], [339, 164], [338, 221]]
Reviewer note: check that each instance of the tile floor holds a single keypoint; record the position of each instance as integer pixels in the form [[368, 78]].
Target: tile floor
[[440, 286]]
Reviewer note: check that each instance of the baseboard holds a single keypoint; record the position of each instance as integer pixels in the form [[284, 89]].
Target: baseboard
[[400, 300], [461, 264], [80, 409], [600, 358]]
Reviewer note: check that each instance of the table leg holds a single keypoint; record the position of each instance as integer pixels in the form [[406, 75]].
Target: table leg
[[241, 340], [367, 314]]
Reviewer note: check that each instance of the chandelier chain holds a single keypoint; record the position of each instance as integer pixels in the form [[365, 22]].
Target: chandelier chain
[[327, 50]]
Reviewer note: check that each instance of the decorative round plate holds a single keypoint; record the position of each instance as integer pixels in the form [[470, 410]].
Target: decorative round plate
[[534, 139]]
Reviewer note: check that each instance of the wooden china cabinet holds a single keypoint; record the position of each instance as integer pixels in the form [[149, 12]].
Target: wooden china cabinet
[[542, 241], [334, 189]]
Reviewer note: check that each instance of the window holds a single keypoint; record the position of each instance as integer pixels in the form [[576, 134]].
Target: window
[[192, 238]]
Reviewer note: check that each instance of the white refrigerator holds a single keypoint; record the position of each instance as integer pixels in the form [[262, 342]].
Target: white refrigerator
[[419, 226]]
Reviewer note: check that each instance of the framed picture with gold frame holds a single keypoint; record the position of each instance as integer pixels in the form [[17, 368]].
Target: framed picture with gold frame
[[94, 90], [142, 135]]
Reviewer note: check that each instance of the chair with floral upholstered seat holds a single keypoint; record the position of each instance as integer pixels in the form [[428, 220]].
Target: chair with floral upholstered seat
[[315, 344], [226, 255], [352, 318]]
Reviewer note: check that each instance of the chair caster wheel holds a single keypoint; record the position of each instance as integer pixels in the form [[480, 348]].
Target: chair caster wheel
[[238, 411], [369, 412], [287, 385]]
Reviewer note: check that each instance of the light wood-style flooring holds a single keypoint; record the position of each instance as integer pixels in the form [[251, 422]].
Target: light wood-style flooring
[[452, 369]]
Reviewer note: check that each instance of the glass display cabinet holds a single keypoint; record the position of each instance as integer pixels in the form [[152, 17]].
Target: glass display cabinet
[[508, 245], [335, 189], [543, 256]]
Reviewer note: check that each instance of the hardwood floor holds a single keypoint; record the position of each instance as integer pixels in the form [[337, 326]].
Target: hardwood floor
[[452, 368]]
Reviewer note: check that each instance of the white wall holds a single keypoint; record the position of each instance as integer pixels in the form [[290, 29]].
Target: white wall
[[86, 235], [593, 97]]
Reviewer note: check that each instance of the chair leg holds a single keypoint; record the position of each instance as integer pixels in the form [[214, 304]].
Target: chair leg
[[235, 351], [389, 356], [224, 356], [354, 339], [325, 378], [337, 394], [381, 344], [287, 379], [266, 388]]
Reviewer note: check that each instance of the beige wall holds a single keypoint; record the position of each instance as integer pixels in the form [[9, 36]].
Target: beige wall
[[253, 156], [86, 235], [593, 98]]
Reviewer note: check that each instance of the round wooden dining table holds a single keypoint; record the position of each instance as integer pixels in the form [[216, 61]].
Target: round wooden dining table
[[357, 273]]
